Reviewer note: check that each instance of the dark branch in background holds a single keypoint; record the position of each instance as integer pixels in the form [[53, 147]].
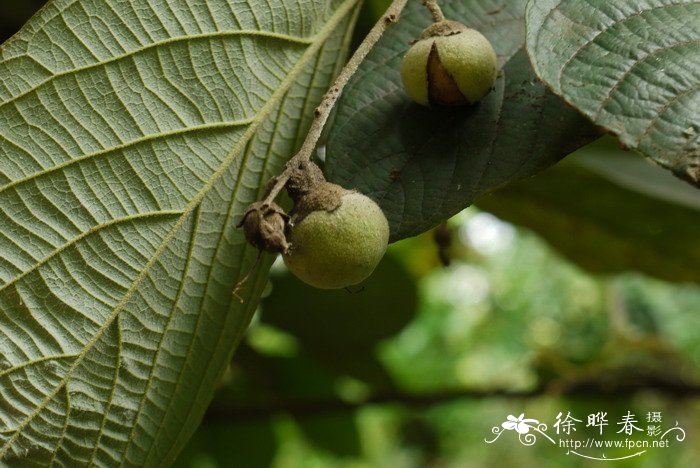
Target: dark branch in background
[[442, 236], [332, 405]]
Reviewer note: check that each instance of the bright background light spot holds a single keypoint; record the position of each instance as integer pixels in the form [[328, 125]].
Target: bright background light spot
[[487, 234], [464, 285]]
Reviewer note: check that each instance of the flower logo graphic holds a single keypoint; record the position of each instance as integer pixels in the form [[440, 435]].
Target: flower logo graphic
[[522, 426], [519, 424]]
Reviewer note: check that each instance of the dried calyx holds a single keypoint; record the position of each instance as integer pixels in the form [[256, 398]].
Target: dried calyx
[[450, 64], [308, 188], [333, 237], [265, 226]]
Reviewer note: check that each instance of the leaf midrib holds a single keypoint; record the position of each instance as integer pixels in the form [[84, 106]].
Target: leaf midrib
[[316, 42]]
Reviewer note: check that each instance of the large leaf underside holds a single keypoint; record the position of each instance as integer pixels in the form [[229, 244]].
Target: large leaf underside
[[132, 136], [658, 233], [424, 165], [633, 67]]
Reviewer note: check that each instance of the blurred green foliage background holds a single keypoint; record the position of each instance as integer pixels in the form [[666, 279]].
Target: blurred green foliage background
[[574, 291], [415, 367], [593, 306]]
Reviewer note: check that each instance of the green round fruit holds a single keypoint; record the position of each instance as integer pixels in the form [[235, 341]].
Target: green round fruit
[[340, 248], [449, 65]]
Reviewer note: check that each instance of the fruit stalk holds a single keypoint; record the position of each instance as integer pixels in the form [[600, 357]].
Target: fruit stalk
[[265, 224], [322, 112], [435, 10]]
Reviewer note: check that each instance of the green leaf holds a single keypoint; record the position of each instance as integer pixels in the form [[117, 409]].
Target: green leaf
[[424, 165], [607, 226], [632, 67], [133, 135], [339, 328], [259, 381], [628, 170]]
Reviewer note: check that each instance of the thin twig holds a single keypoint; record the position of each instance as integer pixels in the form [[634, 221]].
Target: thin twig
[[324, 109], [242, 282], [434, 10]]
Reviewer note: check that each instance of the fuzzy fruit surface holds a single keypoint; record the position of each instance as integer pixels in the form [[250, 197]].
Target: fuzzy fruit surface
[[449, 65], [336, 249]]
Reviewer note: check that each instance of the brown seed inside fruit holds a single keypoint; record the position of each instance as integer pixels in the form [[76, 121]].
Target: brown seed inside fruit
[[442, 88]]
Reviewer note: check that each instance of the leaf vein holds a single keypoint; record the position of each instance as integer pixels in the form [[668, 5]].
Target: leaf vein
[[633, 65], [615, 22], [85, 234], [157, 44], [147, 138]]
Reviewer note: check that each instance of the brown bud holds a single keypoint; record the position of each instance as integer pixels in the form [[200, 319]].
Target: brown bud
[[304, 180], [265, 225]]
